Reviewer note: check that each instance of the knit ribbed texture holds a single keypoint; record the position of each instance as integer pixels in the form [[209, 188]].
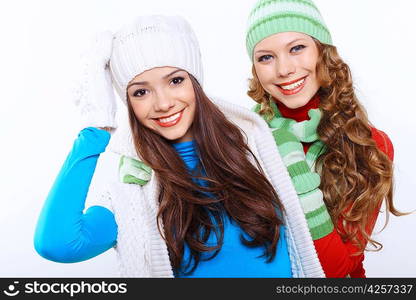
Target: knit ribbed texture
[[141, 249], [305, 262], [269, 17], [150, 42], [288, 135]]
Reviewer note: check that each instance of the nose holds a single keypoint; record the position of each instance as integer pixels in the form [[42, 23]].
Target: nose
[[285, 67], [163, 101]]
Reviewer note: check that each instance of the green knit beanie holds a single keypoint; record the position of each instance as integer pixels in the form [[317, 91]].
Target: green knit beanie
[[269, 17]]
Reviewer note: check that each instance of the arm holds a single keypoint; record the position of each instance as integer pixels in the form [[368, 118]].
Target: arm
[[64, 233], [335, 255]]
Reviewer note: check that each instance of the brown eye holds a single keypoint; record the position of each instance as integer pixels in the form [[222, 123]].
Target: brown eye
[[139, 93], [177, 80]]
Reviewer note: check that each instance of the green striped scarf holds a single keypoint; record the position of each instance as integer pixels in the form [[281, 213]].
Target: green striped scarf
[[134, 171], [289, 136]]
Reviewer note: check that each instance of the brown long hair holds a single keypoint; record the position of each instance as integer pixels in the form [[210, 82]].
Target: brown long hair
[[356, 176], [236, 187]]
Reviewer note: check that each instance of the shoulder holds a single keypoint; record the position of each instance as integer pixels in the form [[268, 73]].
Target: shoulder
[[243, 117], [383, 142]]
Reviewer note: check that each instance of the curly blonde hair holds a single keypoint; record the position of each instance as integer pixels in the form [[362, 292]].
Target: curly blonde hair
[[356, 176]]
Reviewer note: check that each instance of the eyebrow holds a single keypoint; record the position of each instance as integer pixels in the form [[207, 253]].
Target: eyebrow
[[261, 51], [145, 82], [296, 40], [290, 43]]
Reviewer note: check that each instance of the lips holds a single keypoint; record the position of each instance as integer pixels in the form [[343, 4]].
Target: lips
[[171, 120], [292, 87]]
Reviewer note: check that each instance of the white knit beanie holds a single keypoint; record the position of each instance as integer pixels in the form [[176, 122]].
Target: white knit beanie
[[150, 42]]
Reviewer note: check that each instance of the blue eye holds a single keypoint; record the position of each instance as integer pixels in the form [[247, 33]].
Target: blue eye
[[140, 93], [264, 58], [177, 80], [297, 48]]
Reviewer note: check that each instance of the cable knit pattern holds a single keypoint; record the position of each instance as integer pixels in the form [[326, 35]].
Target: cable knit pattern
[[141, 249]]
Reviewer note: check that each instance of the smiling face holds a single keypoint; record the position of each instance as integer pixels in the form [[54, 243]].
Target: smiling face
[[163, 100], [285, 65]]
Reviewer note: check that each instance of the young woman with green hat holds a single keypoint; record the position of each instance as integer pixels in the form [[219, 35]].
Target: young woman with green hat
[[340, 165]]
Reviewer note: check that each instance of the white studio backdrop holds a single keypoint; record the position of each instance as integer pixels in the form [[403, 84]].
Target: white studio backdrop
[[41, 41]]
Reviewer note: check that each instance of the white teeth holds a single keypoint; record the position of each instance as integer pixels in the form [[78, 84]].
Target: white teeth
[[293, 85], [170, 119]]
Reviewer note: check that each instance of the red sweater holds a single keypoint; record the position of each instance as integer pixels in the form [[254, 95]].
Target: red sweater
[[336, 257]]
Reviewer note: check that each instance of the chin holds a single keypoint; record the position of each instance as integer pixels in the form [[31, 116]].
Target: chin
[[296, 103], [174, 137]]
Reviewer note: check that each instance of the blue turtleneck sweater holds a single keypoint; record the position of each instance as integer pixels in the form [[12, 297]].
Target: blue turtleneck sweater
[[66, 201], [234, 259]]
